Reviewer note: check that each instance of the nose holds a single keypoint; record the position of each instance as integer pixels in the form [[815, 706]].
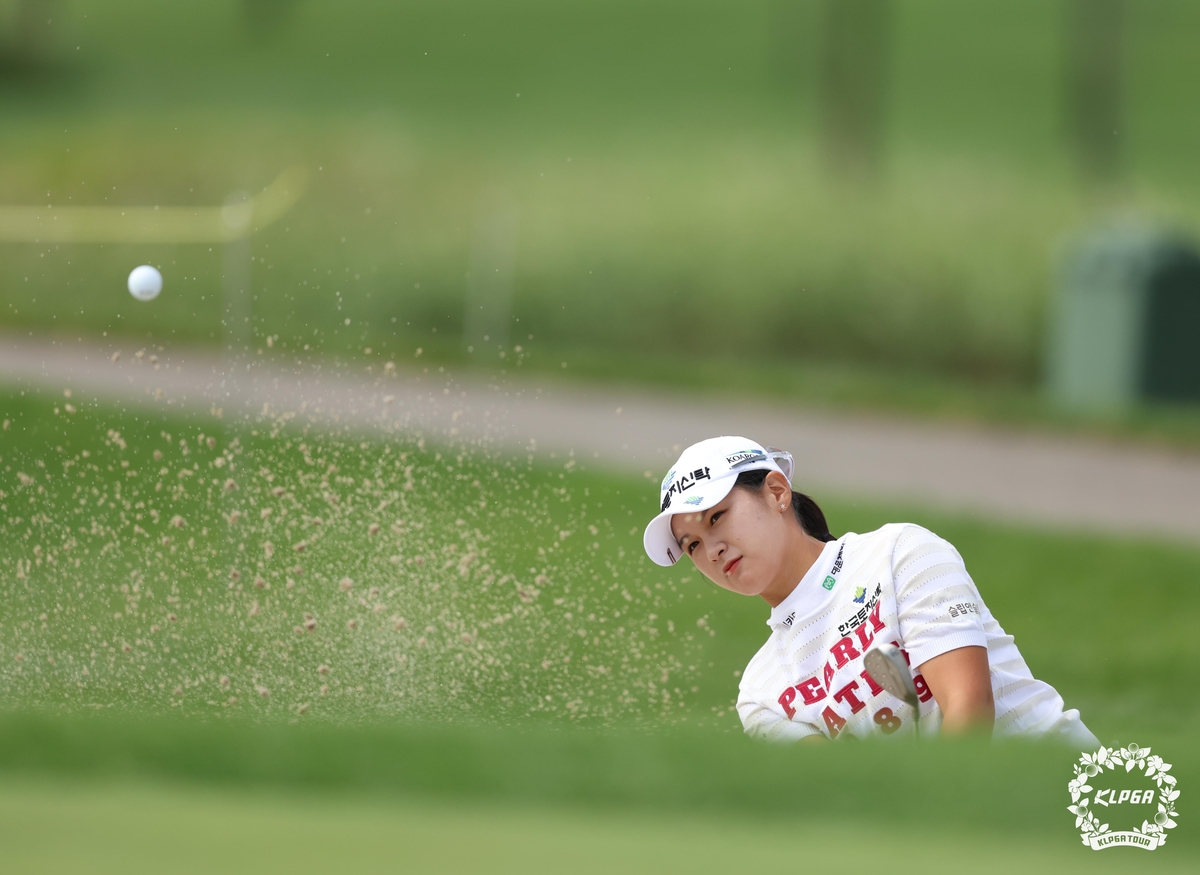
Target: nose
[[715, 550]]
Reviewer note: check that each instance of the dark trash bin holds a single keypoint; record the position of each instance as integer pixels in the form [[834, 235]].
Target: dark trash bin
[[1171, 337], [1127, 321]]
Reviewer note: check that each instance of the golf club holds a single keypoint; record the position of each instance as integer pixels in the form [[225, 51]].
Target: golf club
[[887, 665]]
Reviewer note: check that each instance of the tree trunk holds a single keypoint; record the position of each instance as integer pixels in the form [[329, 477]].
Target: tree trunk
[[855, 63], [1093, 46]]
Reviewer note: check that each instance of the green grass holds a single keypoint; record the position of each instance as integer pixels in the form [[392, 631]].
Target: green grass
[[522, 584], [671, 204], [618, 745], [616, 794], [134, 827]]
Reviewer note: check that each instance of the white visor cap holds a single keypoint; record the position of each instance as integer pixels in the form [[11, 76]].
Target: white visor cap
[[701, 478]]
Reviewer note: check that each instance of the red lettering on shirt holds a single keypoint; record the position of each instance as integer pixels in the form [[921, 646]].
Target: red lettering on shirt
[[785, 699], [865, 636], [833, 722], [924, 694], [876, 623], [843, 651], [875, 688], [811, 691], [846, 694], [828, 673]]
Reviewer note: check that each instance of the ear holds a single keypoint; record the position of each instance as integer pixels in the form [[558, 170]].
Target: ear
[[776, 489]]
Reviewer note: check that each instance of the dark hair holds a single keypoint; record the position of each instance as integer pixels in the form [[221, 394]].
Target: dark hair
[[808, 514]]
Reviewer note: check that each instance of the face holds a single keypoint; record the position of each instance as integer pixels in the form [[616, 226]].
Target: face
[[740, 544]]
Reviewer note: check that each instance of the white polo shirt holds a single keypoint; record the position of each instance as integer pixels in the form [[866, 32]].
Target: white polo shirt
[[900, 584]]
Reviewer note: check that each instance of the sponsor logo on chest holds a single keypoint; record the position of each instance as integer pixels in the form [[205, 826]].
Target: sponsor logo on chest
[[860, 616]]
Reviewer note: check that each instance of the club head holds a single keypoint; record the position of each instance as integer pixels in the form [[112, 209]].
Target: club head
[[886, 664]]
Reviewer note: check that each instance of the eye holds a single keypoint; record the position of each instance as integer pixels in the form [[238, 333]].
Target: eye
[[716, 516], [691, 547]]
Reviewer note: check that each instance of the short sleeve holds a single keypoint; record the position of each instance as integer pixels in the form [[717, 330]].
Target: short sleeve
[[765, 723], [938, 604]]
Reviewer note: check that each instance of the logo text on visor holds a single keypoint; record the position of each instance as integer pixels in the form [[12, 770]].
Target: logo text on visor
[[745, 457], [686, 481]]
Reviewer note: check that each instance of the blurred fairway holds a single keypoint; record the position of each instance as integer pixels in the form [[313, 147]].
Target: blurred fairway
[[134, 828], [660, 161]]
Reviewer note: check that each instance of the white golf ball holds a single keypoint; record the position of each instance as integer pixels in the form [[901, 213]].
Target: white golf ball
[[145, 282]]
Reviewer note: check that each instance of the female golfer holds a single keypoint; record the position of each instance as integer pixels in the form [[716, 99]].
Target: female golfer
[[728, 504]]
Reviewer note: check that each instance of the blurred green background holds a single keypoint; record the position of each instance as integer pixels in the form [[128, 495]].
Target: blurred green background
[[857, 203], [686, 182]]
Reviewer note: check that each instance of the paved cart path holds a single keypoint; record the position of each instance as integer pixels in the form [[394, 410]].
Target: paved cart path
[[1039, 479]]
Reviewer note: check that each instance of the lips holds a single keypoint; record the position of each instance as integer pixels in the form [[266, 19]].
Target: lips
[[732, 565]]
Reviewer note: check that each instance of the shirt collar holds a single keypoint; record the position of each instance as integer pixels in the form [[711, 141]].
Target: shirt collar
[[809, 587]]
